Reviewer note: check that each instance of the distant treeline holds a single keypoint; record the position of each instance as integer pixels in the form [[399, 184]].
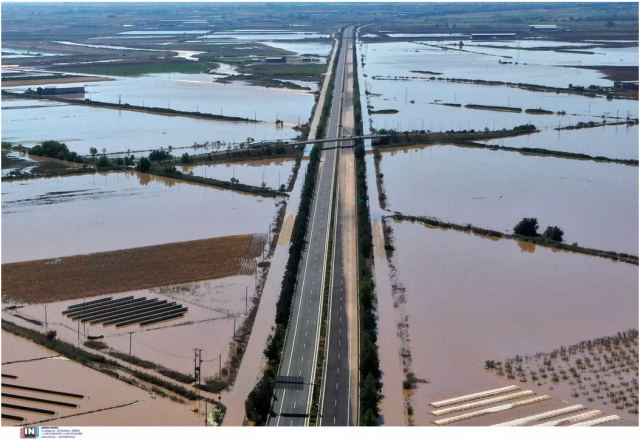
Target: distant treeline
[[546, 152], [393, 138]]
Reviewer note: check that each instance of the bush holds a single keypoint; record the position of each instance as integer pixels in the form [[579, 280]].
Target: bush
[[553, 233], [410, 381], [96, 344], [528, 226]]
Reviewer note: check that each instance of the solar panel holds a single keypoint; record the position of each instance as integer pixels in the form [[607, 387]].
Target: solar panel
[[125, 311]]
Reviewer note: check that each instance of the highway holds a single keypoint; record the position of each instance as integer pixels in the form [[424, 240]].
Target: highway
[[291, 406], [340, 380]]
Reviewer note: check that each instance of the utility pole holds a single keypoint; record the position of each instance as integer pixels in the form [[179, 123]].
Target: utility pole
[[197, 364], [246, 299], [220, 365], [130, 333], [234, 327], [255, 272], [46, 322]]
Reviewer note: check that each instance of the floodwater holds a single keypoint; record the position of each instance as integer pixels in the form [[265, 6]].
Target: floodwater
[[613, 141], [259, 35], [81, 127], [185, 32], [53, 217], [413, 98], [200, 92], [470, 299], [535, 67], [425, 114], [596, 204], [322, 49], [208, 324], [272, 172], [100, 391], [599, 56]]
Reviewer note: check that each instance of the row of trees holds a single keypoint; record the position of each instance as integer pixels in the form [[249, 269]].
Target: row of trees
[[369, 361], [528, 227]]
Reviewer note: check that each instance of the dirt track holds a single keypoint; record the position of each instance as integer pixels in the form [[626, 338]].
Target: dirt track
[[64, 278]]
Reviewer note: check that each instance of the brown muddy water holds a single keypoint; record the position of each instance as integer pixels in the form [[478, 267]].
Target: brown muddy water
[[272, 172], [612, 141], [53, 217], [467, 299], [595, 204], [208, 324], [99, 390]]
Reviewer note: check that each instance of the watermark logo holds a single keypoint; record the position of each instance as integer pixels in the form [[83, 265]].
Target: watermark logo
[[29, 432]]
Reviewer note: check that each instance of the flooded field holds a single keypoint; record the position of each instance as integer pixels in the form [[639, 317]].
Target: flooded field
[[426, 114], [535, 67], [272, 172], [81, 127], [322, 49], [268, 35], [416, 99], [199, 92], [124, 405], [208, 323], [595, 204], [52, 217], [517, 301], [614, 141]]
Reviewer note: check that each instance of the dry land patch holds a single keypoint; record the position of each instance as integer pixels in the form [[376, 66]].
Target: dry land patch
[[79, 276]]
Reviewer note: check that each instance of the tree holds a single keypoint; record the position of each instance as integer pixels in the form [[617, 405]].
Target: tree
[[553, 233], [51, 335], [104, 161], [186, 159], [528, 226], [159, 155], [144, 165], [93, 151]]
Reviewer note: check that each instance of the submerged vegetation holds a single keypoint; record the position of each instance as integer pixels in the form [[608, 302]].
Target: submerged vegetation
[[392, 138]]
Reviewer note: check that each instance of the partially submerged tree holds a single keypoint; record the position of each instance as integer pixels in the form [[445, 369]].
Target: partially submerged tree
[[553, 233], [528, 226]]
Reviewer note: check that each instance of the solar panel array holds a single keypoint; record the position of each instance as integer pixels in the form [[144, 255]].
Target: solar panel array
[[125, 311]]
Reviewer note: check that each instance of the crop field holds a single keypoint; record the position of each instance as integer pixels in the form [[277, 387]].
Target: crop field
[[126, 270]]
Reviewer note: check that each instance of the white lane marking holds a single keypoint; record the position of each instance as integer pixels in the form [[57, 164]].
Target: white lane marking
[[295, 331]]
